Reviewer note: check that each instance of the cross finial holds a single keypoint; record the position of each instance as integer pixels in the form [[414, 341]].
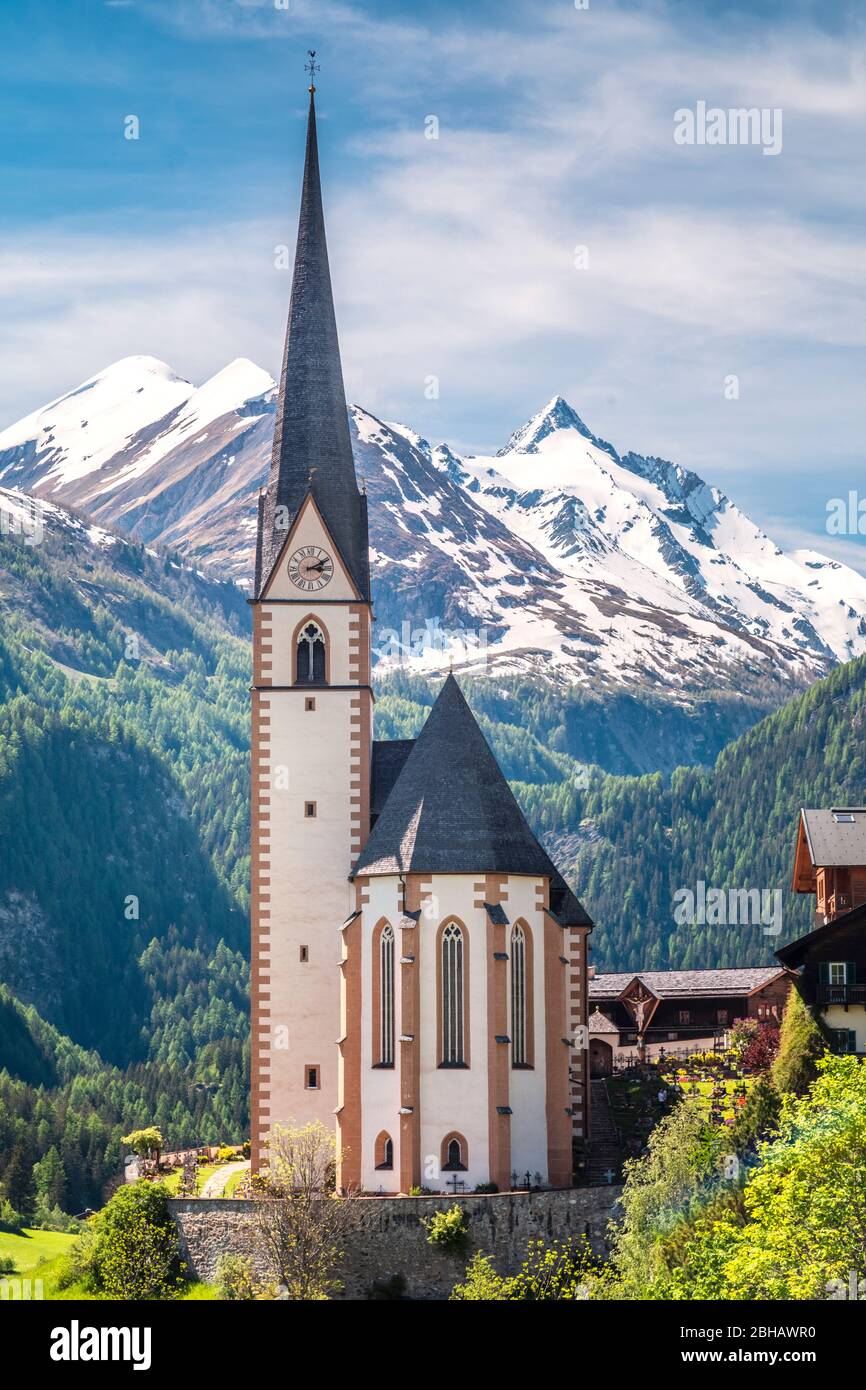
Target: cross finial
[[312, 67]]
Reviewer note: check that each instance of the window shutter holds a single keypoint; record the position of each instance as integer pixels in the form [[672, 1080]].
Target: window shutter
[[851, 972], [824, 972]]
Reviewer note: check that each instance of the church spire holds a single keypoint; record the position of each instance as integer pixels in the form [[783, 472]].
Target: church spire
[[312, 449]]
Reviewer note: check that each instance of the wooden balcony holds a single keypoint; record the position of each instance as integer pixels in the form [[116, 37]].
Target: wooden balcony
[[837, 903], [841, 994]]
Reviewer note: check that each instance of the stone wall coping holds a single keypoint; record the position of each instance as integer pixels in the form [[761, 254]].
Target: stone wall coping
[[240, 1204]]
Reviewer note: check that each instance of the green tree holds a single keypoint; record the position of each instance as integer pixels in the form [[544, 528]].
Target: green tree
[[50, 1179], [758, 1118], [665, 1189], [806, 1201], [18, 1186], [801, 1046], [147, 1143], [130, 1249]]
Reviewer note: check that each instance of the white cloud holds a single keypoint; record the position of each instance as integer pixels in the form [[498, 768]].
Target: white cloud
[[455, 257], [75, 301]]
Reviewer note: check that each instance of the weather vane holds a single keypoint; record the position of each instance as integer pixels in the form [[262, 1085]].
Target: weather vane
[[312, 67]]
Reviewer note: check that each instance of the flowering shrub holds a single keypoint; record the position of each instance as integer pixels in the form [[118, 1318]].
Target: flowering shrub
[[447, 1230], [761, 1051], [562, 1271]]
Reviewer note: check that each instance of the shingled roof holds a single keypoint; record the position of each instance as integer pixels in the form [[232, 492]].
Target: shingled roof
[[600, 1023], [312, 449], [836, 836], [838, 929], [452, 811], [389, 755], [680, 984]]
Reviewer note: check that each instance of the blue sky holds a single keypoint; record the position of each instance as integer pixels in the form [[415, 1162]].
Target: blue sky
[[455, 257]]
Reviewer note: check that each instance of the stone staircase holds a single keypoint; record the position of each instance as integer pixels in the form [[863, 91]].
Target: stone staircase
[[604, 1155]]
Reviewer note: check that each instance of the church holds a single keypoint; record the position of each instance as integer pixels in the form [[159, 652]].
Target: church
[[419, 965]]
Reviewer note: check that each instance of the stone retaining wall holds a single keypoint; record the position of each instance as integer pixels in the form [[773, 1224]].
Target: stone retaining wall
[[387, 1237]]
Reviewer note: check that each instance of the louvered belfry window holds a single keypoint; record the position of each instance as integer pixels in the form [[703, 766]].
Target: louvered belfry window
[[310, 656], [452, 996]]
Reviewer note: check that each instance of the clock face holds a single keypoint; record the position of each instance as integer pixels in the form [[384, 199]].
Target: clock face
[[311, 568]]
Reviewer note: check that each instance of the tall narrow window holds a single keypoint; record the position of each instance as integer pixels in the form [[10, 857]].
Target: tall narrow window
[[519, 1054], [310, 656], [386, 996], [452, 996], [384, 1151]]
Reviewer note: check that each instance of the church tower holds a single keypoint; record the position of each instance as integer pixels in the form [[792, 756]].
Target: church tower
[[311, 705], [419, 964]]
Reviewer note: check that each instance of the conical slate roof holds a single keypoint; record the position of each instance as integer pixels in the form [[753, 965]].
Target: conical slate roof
[[452, 811], [312, 449]]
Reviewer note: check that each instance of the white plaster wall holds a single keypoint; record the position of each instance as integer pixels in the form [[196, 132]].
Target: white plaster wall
[[380, 1087], [528, 1089], [332, 618], [454, 1098], [855, 1017], [310, 898]]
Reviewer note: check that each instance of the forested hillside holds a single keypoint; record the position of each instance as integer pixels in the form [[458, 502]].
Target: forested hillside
[[64, 1110], [123, 774], [123, 770]]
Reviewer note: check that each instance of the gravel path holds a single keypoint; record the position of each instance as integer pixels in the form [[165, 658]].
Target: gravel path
[[215, 1184]]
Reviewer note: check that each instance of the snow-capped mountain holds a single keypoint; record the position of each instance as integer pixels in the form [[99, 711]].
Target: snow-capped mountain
[[641, 543], [140, 448], [556, 556]]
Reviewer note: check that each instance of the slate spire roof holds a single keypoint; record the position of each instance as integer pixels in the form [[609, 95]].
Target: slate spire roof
[[312, 449], [452, 811]]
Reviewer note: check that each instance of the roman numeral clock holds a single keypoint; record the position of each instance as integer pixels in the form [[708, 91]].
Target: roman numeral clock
[[311, 568]]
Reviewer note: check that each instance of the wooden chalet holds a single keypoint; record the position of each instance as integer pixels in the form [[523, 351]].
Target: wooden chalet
[[830, 961], [677, 1009]]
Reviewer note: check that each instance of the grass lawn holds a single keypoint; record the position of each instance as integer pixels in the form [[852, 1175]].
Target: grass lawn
[[31, 1248], [47, 1272], [234, 1180], [203, 1172]]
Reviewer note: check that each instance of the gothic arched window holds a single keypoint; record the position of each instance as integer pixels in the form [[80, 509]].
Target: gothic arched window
[[386, 996], [455, 1154], [453, 1004], [384, 1151], [310, 656], [519, 1055]]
